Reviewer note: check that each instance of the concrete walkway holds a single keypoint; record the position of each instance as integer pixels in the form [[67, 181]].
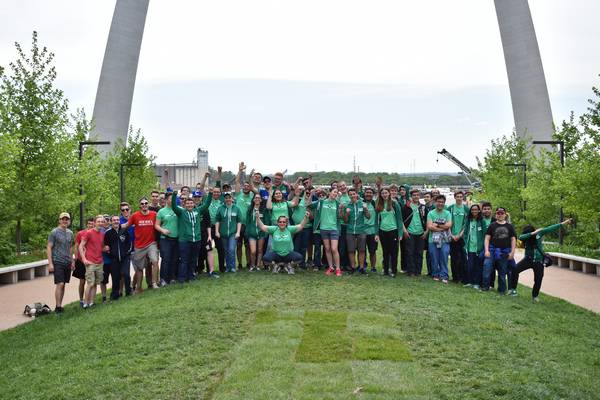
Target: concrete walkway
[[13, 298], [574, 287]]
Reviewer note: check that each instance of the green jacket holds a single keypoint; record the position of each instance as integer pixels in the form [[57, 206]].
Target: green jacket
[[480, 235], [356, 218], [533, 252], [252, 230], [399, 219], [190, 222], [228, 218]]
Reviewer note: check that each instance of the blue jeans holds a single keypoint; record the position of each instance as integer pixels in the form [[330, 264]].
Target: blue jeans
[[474, 268], [301, 244], [230, 244], [168, 255], [501, 265], [439, 260], [189, 252]]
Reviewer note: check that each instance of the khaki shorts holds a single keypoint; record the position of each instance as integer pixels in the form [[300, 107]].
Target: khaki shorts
[[94, 274], [145, 256]]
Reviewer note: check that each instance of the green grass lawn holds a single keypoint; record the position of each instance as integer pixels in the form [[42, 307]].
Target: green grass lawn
[[308, 336]]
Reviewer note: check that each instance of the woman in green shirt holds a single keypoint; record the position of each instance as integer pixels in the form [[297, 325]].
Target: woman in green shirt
[[473, 237], [534, 258], [283, 244], [327, 221], [256, 237], [391, 230]]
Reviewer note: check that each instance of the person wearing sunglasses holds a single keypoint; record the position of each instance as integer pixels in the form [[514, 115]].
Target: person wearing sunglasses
[[61, 258], [283, 244], [146, 250], [499, 246]]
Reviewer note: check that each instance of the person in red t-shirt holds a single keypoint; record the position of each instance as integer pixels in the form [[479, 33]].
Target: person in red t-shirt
[[79, 272], [90, 249], [146, 250]]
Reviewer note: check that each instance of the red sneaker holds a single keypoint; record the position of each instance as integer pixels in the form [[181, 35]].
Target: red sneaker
[[338, 272], [329, 271]]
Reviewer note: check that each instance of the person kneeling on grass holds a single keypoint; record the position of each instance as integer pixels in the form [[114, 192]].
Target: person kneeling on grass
[[534, 258], [283, 245]]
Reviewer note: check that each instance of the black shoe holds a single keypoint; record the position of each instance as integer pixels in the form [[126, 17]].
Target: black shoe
[[59, 310], [386, 273], [373, 269]]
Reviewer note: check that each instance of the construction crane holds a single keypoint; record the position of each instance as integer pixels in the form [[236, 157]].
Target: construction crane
[[466, 171]]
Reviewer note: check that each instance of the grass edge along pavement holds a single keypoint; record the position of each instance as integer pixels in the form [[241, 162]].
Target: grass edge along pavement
[[198, 340]]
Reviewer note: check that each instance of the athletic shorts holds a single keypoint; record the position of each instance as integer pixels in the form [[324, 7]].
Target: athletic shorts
[[371, 244], [330, 235], [145, 256], [106, 273], [94, 274], [62, 273], [79, 272], [356, 241]]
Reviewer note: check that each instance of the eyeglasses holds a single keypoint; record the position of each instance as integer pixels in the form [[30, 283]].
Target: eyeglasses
[[144, 203], [500, 213], [124, 209]]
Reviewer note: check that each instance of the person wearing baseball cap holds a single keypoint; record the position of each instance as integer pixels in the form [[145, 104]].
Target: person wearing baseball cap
[[61, 260]]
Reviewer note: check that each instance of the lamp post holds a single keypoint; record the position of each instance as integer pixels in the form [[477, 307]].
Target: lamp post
[[122, 177], [524, 166], [81, 203], [561, 149]]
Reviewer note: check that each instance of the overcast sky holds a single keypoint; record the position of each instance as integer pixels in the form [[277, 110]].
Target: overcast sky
[[307, 85]]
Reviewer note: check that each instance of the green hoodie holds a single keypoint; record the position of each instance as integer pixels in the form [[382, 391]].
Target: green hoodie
[[356, 218], [190, 222], [532, 252], [228, 218], [477, 239], [390, 220]]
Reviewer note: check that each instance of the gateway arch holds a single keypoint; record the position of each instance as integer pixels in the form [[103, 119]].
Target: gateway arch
[[528, 90]]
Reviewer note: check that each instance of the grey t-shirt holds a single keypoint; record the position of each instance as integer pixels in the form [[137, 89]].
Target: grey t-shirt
[[61, 241]]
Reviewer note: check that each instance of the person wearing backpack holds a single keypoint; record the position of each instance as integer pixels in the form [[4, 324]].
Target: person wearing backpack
[[534, 257], [439, 222], [458, 256], [416, 226]]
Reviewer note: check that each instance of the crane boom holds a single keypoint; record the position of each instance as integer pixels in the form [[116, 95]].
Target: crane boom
[[466, 170]]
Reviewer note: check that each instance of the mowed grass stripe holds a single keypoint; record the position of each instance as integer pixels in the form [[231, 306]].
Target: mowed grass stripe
[[325, 338]]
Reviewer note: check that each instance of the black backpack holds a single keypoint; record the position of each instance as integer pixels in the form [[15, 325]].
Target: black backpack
[[35, 309]]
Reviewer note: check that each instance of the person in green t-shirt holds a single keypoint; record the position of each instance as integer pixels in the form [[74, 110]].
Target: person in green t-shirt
[[255, 237], [301, 198], [283, 244], [354, 214], [391, 230], [473, 239], [327, 221], [243, 193], [344, 199], [534, 257], [227, 228], [439, 222], [458, 256], [167, 219]]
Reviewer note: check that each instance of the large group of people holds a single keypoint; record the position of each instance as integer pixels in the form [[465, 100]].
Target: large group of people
[[177, 235]]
